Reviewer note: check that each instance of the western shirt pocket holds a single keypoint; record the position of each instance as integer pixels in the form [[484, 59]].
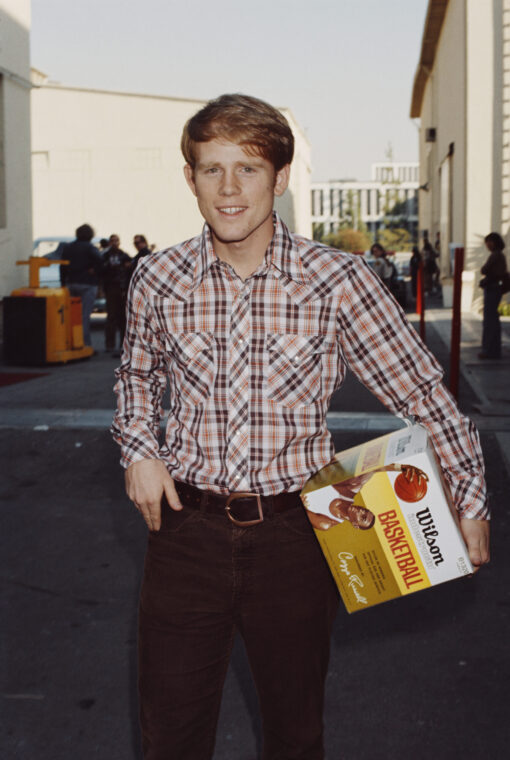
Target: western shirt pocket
[[294, 368], [195, 368]]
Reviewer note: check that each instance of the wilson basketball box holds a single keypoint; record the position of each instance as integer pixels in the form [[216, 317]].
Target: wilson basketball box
[[385, 521]]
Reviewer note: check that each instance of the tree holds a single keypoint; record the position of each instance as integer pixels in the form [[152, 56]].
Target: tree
[[350, 218], [318, 231], [347, 239], [396, 239]]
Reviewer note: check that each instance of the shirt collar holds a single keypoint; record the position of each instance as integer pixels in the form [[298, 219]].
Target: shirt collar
[[282, 257], [283, 254]]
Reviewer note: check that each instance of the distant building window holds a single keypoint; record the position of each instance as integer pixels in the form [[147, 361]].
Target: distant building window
[[70, 160], [317, 204], [147, 158]]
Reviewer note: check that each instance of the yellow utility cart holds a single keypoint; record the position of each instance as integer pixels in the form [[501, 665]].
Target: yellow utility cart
[[43, 325]]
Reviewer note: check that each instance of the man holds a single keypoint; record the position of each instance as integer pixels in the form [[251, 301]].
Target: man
[[253, 329], [115, 278], [81, 275], [142, 248]]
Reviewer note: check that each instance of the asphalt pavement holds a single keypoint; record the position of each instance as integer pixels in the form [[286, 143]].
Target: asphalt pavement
[[424, 676]]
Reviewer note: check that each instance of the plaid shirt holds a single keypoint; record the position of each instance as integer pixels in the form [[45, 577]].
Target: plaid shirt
[[313, 312]]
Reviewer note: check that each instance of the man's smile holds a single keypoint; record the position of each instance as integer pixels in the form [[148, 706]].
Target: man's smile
[[232, 210]]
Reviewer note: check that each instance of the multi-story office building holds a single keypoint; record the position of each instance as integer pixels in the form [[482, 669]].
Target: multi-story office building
[[389, 198]]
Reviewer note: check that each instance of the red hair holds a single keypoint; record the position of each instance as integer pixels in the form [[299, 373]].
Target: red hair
[[243, 120]]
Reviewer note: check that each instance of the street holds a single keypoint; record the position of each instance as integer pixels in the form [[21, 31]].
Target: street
[[423, 676]]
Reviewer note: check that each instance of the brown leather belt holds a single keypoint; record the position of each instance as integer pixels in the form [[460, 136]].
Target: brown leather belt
[[242, 508]]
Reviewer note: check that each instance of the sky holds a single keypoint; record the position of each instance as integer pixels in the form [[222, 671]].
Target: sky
[[345, 68]]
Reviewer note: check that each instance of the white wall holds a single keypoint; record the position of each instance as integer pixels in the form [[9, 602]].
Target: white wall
[[444, 109], [15, 179], [113, 160], [481, 173], [464, 99]]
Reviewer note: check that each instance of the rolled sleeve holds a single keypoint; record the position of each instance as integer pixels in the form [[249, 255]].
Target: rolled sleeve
[[387, 355]]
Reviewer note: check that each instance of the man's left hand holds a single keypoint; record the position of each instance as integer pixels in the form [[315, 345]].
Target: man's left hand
[[476, 536]]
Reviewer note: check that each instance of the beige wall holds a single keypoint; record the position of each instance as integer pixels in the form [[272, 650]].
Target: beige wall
[[505, 121], [464, 99], [482, 175], [444, 109], [15, 188], [113, 160]]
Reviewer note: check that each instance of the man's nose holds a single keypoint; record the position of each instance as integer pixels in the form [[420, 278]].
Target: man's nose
[[229, 183]]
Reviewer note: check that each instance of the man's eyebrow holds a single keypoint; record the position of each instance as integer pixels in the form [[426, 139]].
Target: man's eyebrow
[[248, 161]]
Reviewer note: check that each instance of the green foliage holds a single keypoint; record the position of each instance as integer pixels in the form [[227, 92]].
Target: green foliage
[[396, 239], [347, 239], [318, 231], [504, 309], [350, 218]]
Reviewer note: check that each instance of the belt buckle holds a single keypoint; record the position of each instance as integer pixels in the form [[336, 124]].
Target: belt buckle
[[244, 495]]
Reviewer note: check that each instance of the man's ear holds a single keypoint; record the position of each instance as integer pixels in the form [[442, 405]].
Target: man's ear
[[282, 180], [190, 178]]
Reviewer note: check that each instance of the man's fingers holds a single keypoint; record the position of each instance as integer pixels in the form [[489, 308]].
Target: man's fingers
[[146, 482], [151, 513], [171, 495], [321, 522], [476, 536], [154, 514]]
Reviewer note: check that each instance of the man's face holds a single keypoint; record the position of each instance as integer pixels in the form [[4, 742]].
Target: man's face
[[235, 191], [114, 241], [138, 243]]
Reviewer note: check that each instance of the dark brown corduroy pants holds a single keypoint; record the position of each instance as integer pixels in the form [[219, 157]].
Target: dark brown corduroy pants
[[204, 579]]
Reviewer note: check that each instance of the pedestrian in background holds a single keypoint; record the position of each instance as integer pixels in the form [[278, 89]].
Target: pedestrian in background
[[381, 265], [81, 275], [431, 270], [142, 247], [414, 268], [437, 249], [495, 270], [115, 280]]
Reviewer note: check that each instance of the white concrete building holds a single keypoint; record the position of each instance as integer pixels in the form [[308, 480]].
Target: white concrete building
[[390, 196], [113, 159], [15, 200], [461, 95]]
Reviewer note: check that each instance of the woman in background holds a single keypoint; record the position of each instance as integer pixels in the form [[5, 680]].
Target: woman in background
[[381, 265], [494, 270]]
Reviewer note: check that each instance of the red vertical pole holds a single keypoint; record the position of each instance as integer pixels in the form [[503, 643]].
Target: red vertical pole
[[420, 299], [456, 322]]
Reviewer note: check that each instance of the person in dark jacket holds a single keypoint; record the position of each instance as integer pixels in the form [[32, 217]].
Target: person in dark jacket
[[430, 267], [494, 270], [115, 278], [142, 247], [414, 267], [81, 275]]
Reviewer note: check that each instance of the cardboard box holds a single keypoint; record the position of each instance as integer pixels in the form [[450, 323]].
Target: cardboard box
[[385, 521]]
